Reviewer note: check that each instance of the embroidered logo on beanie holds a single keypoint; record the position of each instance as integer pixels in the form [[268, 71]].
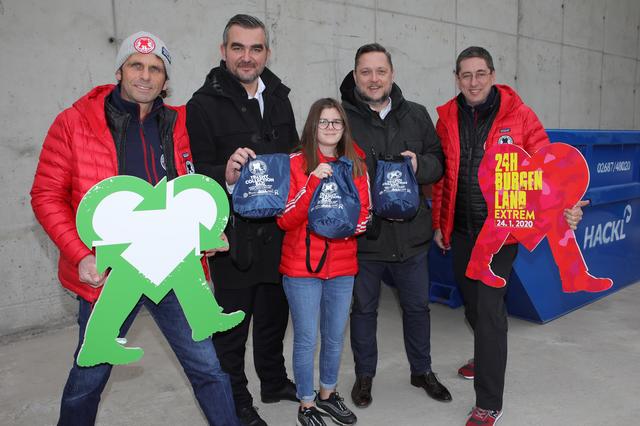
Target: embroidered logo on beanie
[[144, 45]]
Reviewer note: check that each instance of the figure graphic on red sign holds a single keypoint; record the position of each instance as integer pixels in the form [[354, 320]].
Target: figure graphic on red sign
[[483, 115], [526, 197]]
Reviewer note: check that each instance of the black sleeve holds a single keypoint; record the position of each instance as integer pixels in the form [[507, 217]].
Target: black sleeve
[[295, 140], [203, 144], [431, 158]]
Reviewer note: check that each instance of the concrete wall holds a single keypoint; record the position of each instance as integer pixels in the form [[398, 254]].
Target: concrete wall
[[574, 61]]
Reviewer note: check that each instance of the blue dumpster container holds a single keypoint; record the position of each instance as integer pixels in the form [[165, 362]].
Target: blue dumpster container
[[608, 235], [443, 284]]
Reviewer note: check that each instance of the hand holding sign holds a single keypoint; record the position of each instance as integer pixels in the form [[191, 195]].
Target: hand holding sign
[[526, 198]]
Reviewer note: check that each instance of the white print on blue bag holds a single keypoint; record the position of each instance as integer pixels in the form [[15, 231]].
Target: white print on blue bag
[[263, 187], [259, 182], [395, 183], [329, 197]]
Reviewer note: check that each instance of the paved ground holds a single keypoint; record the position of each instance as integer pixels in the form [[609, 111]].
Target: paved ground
[[581, 369]]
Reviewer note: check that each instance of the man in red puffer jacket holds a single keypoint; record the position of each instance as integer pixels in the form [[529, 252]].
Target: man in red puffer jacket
[[482, 115], [120, 130]]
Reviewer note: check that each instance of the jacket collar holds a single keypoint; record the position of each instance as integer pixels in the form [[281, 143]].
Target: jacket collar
[[220, 82], [131, 108], [324, 158], [488, 105], [92, 108], [509, 101]]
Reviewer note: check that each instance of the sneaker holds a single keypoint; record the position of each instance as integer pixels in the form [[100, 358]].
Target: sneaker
[[334, 407], [310, 416], [482, 417], [468, 371]]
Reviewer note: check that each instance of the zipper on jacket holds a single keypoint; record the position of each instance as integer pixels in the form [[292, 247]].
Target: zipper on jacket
[[144, 153], [473, 141], [122, 145], [166, 127]]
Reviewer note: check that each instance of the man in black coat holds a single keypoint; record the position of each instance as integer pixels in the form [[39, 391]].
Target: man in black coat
[[383, 123], [242, 110]]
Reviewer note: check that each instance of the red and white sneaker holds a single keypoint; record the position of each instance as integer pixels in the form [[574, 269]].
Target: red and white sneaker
[[468, 371], [482, 417]]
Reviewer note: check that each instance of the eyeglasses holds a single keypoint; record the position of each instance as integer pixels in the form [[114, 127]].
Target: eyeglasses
[[323, 123], [481, 76]]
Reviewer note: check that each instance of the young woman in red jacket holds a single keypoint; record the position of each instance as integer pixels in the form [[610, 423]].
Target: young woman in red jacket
[[324, 297]]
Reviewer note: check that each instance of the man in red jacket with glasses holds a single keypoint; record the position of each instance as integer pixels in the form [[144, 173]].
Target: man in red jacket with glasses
[[482, 115]]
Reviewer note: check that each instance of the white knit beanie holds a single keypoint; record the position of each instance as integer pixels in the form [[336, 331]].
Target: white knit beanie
[[144, 42]]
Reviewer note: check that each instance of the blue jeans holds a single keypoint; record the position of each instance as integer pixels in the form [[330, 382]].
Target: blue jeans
[[210, 384], [411, 279], [310, 300]]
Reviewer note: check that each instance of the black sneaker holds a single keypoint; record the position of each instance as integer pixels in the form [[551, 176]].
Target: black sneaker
[[335, 408], [310, 416]]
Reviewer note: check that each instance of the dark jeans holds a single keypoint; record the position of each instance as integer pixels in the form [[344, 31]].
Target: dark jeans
[[267, 304], [210, 384], [486, 313], [411, 278]]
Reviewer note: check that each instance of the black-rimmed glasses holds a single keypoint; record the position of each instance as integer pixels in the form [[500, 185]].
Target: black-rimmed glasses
[[323, 123]]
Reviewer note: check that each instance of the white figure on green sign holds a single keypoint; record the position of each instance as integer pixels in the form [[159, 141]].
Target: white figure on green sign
[[127, 220]]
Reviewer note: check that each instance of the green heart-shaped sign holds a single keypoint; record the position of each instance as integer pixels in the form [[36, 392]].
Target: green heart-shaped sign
[[152, 239]]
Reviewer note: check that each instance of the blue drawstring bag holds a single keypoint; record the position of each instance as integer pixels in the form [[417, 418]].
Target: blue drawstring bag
[[334, 208], [335, 205], [396, 194], [263, 187]]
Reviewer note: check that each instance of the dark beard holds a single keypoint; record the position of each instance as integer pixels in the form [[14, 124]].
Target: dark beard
[[250, 79], [371, 101]]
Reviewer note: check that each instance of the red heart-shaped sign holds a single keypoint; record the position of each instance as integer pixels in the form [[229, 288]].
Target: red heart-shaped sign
[[526, 197]]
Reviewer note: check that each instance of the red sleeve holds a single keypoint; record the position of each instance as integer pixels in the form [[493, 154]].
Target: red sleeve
[[364, 191], [535, 136], [437, 188], [300, 193], [51, 191]]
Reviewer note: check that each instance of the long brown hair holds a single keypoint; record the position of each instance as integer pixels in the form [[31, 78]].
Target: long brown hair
[[309, 139]]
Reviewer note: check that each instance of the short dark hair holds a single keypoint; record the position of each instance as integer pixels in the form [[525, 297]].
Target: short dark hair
[[475, 52], [245, 21], [372, 47]]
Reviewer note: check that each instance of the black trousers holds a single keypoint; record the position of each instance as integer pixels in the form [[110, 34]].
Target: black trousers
[[411, 279], [267, 304], [486, 313]]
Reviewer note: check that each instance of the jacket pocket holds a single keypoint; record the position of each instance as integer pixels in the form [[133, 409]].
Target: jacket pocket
[[413, 145], [240, 243], [419, 231]]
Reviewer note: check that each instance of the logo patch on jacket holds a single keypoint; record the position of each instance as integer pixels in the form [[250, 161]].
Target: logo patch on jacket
[[506, 139], [507, 130], [190, 169]]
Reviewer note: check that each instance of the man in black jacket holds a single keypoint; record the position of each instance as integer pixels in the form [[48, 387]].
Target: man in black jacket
[[384, 123], [242, 110]]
